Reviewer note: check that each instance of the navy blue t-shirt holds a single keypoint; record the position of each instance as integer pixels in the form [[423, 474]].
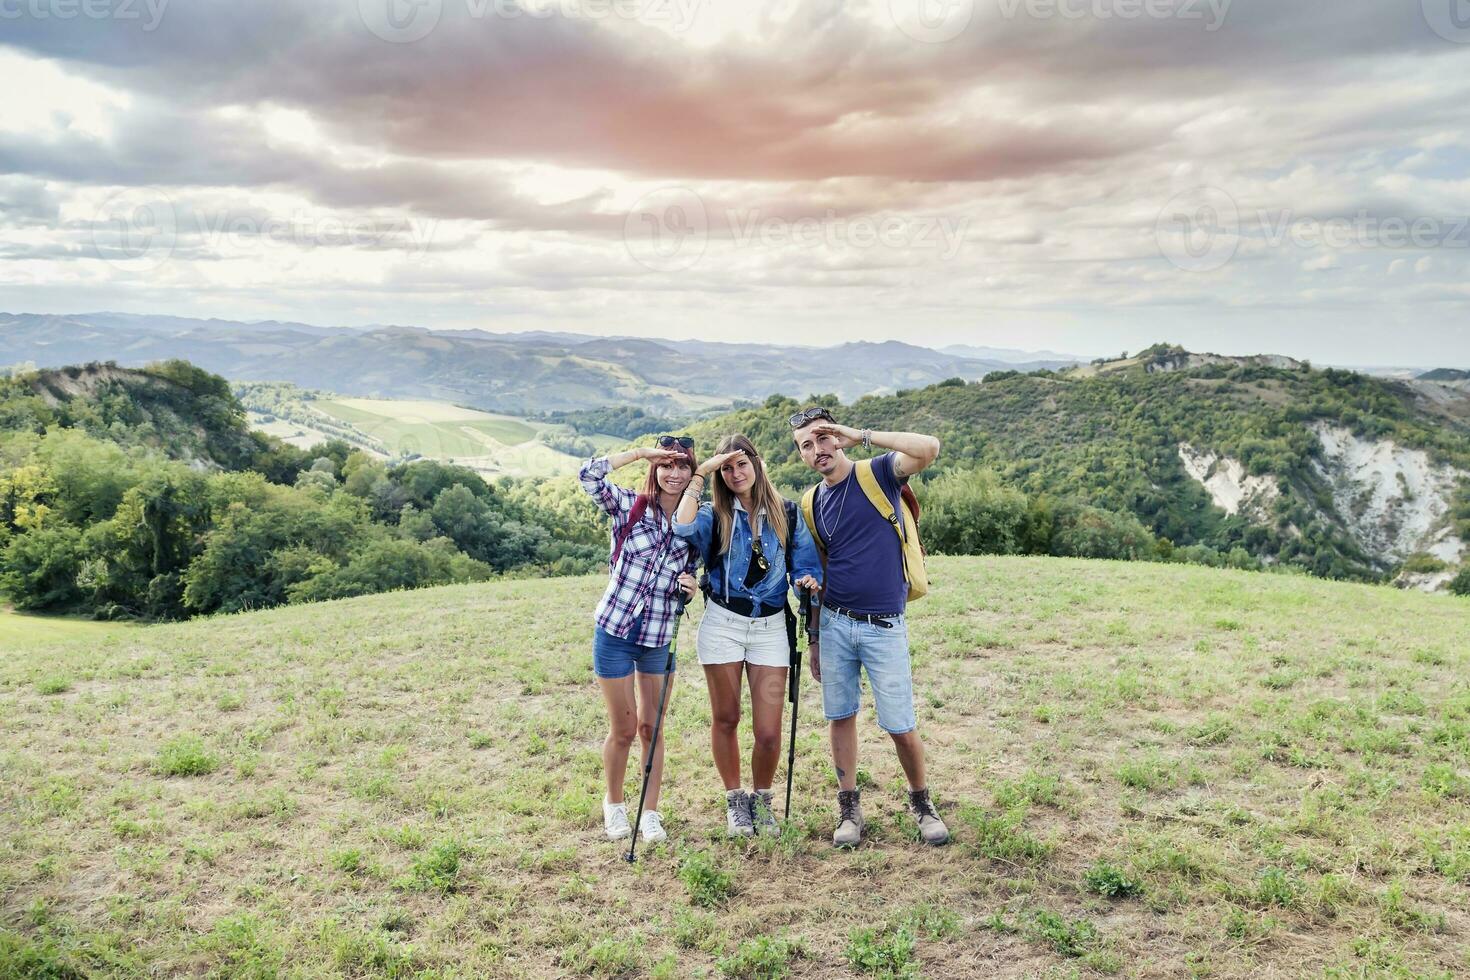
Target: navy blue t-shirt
[[864, 557]]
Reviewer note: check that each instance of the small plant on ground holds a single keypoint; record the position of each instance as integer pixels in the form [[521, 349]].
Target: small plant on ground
[[1000, 837], [1070, 937], [437, 870], [1110, 881], [930, 921], [884, 952], [763, 958], [54, 684], [185, 755], [707, 885]]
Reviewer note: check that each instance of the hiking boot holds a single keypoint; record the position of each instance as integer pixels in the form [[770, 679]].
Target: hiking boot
[[849, 819], [737, 814], [652, 827], [761, 815], [931, 828], [615, 820]]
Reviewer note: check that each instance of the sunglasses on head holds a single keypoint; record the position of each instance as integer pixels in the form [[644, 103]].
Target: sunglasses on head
[[668, 442], [810, 415]]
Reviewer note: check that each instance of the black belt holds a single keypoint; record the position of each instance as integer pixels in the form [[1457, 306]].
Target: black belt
[[876, 619], [739, 606]]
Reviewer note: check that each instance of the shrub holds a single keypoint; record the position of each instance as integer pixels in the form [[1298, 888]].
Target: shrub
[[1109, 881], [1460, 584], [185, 755]]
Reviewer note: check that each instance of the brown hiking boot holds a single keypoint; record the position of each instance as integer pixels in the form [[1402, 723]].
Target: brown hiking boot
[[931, 828], [849, 819]]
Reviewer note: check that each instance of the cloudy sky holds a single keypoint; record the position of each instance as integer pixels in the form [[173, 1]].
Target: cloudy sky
[[1083, 175]]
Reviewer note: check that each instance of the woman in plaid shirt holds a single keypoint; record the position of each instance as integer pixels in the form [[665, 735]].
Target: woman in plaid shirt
[[635, 619]]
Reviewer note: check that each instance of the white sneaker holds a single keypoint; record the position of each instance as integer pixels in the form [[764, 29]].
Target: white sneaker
[[652, 827], [615, 820]]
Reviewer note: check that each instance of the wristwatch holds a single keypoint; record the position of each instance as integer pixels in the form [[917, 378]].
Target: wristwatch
[[867, 438]]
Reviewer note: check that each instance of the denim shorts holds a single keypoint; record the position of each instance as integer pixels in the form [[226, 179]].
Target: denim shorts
[[613, 657], [727, 637], [849, 645]]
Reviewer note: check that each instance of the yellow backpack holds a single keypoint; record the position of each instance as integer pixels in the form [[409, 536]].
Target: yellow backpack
[[907, 529]]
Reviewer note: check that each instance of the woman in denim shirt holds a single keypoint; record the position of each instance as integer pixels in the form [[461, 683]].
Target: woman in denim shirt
[[743, 631]]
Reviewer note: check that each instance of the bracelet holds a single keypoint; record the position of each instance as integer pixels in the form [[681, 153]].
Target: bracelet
[[867, 438]]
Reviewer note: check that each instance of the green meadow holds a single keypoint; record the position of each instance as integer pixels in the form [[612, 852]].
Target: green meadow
[[1149, 770], [434, 429]]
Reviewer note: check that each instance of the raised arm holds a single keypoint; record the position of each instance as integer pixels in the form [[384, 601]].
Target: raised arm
[[689, 503], [614, 499], [912, 452]]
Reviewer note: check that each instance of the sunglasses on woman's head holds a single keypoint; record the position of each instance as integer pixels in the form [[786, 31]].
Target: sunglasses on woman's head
[[810, 415], [668, 442]]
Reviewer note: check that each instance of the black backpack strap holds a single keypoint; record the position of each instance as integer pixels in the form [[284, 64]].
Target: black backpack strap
[[792, 516], [710, 557]]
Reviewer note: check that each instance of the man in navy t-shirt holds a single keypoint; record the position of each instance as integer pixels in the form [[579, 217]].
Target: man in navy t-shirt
[[863, 624]]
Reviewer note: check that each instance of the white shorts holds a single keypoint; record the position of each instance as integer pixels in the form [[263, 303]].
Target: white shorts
[[726, 637]]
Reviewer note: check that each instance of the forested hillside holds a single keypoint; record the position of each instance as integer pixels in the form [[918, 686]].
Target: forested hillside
[[140, 493], [1021, 449]]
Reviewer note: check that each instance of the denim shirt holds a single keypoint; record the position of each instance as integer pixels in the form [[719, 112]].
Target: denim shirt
[[727, 575]]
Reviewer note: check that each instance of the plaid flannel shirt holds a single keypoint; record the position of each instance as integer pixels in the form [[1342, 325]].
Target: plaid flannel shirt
[[647, 574]]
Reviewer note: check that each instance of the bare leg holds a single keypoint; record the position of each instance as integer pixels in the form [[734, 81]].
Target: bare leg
[[622, 728], [843, 734], [723, 681], [911, 756], [649, 688], [767, 704]]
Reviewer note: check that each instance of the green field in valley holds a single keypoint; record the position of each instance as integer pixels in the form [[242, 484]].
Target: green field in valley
[[1150, 770], [428, 428]]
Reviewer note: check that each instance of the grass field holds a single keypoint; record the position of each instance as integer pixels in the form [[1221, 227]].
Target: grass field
[[429, 428], [20, 630], [1150, 770]]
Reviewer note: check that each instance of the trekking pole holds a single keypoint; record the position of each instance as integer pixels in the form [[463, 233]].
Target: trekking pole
[[658, 725], [812, 624]]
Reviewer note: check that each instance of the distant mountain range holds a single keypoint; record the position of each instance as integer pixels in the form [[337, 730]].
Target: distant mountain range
[[521, 374]]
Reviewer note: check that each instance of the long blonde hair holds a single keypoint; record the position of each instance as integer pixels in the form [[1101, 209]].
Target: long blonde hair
[[762, 495]]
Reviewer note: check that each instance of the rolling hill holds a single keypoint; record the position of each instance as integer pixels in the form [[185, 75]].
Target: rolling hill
[[1150, 771], [1332, 472], [517, 374]]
